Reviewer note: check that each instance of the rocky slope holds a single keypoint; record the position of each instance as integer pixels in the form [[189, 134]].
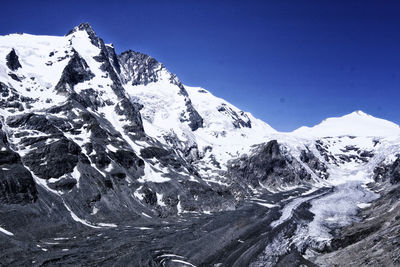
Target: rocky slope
[[98, 146]]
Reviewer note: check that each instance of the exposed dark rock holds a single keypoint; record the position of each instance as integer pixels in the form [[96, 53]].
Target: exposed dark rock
[[267, 165], [53, 160], [153, 152], [127, 159], [195, 120], [239, 120], [140, 68], [389, 172], [167, 158], [149, 196], [33, 121], [132, 112], [65, 184], [294, 259], [16, 182], [95, 40], [314, 163], [75, 72], [13, 61], [14, 77]]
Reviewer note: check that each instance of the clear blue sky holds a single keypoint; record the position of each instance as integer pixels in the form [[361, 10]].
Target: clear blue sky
[[290, 63]]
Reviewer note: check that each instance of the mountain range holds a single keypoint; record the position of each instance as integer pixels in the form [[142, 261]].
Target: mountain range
[[110, 159]]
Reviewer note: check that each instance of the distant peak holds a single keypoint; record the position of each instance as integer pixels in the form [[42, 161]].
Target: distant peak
[[139, 57], [85, 26], [359, 113]]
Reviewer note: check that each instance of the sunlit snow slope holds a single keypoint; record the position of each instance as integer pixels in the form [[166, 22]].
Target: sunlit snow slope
[[357, 123]]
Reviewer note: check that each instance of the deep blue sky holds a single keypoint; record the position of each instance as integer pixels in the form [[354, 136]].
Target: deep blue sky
[[290, 63]]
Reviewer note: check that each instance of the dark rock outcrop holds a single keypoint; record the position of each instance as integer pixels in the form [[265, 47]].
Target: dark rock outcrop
[[139, 68], [314, 163], [267, 165], [75, 72], [13, 61], [54, 159], [16, 182], [389, 172]]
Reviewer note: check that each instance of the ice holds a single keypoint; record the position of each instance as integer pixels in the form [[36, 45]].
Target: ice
[[287, 211], [338, 209]]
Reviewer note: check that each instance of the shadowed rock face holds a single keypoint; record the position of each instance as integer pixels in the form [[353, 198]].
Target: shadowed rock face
[[12, 61], [389, 173], [16, 182], [53, 160], [141, 69], [267, 165], [75, 72], [238, 122], [314, 163]]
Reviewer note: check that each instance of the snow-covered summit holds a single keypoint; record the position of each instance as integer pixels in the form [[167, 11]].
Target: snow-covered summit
[[357, 123]]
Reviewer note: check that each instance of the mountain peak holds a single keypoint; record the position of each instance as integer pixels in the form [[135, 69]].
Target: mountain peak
[[358, 113], [84, 26], [357, 123]]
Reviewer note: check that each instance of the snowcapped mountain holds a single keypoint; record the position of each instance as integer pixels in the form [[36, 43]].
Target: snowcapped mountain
[[95, 144], [357, 123]]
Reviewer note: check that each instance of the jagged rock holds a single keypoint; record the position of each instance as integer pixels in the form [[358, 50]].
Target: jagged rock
[[13, 61], [140, 68], [16, 182], [64, 184], [267, 165], [53, 160], [33, 121], [237, 120], [95, 40], [314, 163], [128, 159], [389, 172], [153, 152], [75, 72]]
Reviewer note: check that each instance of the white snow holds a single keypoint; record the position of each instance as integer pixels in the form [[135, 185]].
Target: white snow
[[357, 123], [77, 219], [143, 228], [159, 200], [146, 215], [183, 262], [363, 205], [152, 175], [4, 231], [112, 225]]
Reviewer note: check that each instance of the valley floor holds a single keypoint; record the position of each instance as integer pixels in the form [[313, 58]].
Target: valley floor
[[280, 229]]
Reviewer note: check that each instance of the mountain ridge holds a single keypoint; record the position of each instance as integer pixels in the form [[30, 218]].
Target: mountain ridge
[[357, 123]]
